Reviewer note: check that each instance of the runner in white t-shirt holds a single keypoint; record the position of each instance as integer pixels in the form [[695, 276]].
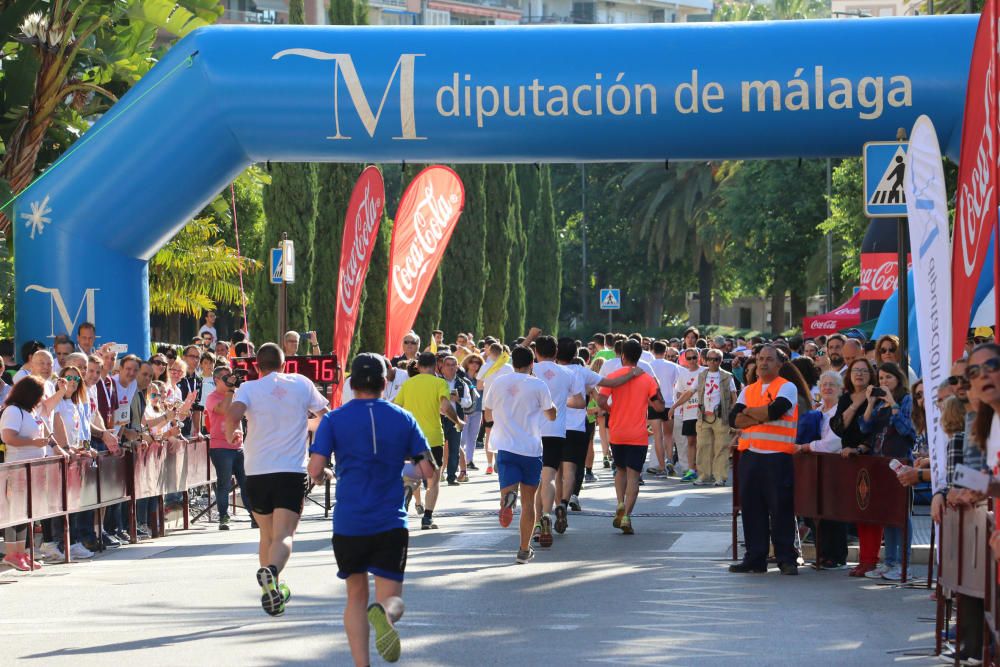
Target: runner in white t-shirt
[[515, 403], [488, 374], [686, 402], [563, 386], [661, 423], [277, 408]]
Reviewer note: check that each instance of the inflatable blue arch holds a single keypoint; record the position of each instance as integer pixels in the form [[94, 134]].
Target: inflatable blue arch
[[226, 97]]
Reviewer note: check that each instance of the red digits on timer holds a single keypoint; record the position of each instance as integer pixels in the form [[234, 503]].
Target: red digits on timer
[[326, 370]]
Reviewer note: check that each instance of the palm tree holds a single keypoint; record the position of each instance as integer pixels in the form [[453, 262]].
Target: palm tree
[[78, 53]]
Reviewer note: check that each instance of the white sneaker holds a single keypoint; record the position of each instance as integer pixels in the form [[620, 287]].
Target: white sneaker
[[79, 552], [877, 573], [893, 574], [51, 551]]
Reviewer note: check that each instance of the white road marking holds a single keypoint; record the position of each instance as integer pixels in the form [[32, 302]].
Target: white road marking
[[702, 542]]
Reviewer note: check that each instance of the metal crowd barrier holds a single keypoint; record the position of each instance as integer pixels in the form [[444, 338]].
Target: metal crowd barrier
[[967, 568], [54, 488], [859, 489]]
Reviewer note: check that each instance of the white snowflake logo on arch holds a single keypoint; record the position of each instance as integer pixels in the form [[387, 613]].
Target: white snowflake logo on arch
[[38, 218]]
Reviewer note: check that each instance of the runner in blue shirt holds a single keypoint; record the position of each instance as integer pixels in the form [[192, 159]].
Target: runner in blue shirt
[[370, 440]]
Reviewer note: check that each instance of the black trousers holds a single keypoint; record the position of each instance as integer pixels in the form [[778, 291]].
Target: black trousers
[[767, 495], [832, 544]]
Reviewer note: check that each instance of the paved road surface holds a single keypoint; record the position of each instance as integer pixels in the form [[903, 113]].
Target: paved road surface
[[662, 596]]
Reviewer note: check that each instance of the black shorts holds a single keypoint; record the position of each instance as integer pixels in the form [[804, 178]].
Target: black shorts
[[382, 554], [552, 451], [438, 454], [277, 490], [630, 456], [690, 427], [657, 415], [591, 427], [575, 448]]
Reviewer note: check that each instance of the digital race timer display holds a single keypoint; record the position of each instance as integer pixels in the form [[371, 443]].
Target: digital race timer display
[[319, 369]]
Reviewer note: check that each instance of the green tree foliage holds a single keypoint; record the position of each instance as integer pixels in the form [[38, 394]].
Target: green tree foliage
[[371, 329], [429, 315], [290, 207], [847, 221], [499, 240], [543, 271], [463, 267], [766, 222], [518, 249], [196, 271]]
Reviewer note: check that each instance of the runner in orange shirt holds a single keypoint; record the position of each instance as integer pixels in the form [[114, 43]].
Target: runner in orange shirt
[[627, 430]]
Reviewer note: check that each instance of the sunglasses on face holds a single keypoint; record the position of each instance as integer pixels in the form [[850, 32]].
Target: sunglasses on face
[[715, 359], [159, 363], [988, 366], [154, 395], [409, 342], [920, 397], [887, 350], [956, 379], [691, 358], [72, 378]]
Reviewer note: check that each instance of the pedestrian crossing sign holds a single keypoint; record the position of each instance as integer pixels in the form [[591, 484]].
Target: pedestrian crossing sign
[[277, 267], [884, 169], [611, 299]]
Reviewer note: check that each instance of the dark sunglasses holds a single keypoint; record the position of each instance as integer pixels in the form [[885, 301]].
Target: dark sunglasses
[[920, 397], [159, 363], [72, 378], [715, 359], [975, 370], [887, 350], [955, 379], [691, 358], [409, 342]]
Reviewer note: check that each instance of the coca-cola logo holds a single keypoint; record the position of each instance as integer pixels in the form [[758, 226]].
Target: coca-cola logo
[[975, 193], [365, 222], [433, 215], [847, 311], [826, 325], [879, 274]]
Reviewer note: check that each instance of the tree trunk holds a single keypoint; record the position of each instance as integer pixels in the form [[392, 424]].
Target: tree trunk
[[706, 273], [653, 315], [778, 304], [798, 306]]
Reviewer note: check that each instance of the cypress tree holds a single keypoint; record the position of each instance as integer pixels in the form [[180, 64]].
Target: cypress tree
[[463, 268], [498, 233], [429, 316], [544, 261], [289, 206], [518, 249], [335, 184]]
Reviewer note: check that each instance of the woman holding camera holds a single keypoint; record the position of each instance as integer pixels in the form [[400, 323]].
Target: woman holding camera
[[887, 419]]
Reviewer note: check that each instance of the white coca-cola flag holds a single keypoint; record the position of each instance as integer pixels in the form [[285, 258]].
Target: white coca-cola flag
[[927, 210]]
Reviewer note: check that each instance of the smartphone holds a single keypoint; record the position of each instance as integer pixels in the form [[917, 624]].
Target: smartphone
[[970, 478], [878, 392], [119, 348]]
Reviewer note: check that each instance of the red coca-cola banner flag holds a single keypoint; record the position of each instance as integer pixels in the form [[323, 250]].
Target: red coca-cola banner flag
[[976, 197], [364, 213], [879, 275], [426, 218], [844, 316]]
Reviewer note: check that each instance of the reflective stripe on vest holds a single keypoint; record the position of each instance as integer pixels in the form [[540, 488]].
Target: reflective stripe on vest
[[774, 436]]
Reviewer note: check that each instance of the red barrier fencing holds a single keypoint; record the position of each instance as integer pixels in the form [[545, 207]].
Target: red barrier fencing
[[858, 489], [55, 487]]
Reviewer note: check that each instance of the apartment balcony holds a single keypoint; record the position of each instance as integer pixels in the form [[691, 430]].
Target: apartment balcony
[[261, 17]]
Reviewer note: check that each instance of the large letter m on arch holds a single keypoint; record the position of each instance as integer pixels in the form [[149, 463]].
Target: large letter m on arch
[[344, 66]]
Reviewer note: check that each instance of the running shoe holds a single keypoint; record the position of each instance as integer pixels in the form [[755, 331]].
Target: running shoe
[[545, 536], [463, 476], [877, 572], [507, 510], [574, 503], [51, 551], [590, 477], [536, 532], [224, 523], [272, 599], [894, 573], [142, 533], [562, 522], [286, 592], [427, 523], [720, 482], [419, 509], [663, 473], [702, 481], [386, 635], [653, 470], [689, 476], [670, 469], [472, 466], [525, 555], [489, 470], [627, 526], [18, 561], [79, 552], [619, 513], [607, 462]]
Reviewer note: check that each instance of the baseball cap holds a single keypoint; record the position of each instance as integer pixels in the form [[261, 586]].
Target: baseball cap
[[368, 365], [856, 334], [983, 332]]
